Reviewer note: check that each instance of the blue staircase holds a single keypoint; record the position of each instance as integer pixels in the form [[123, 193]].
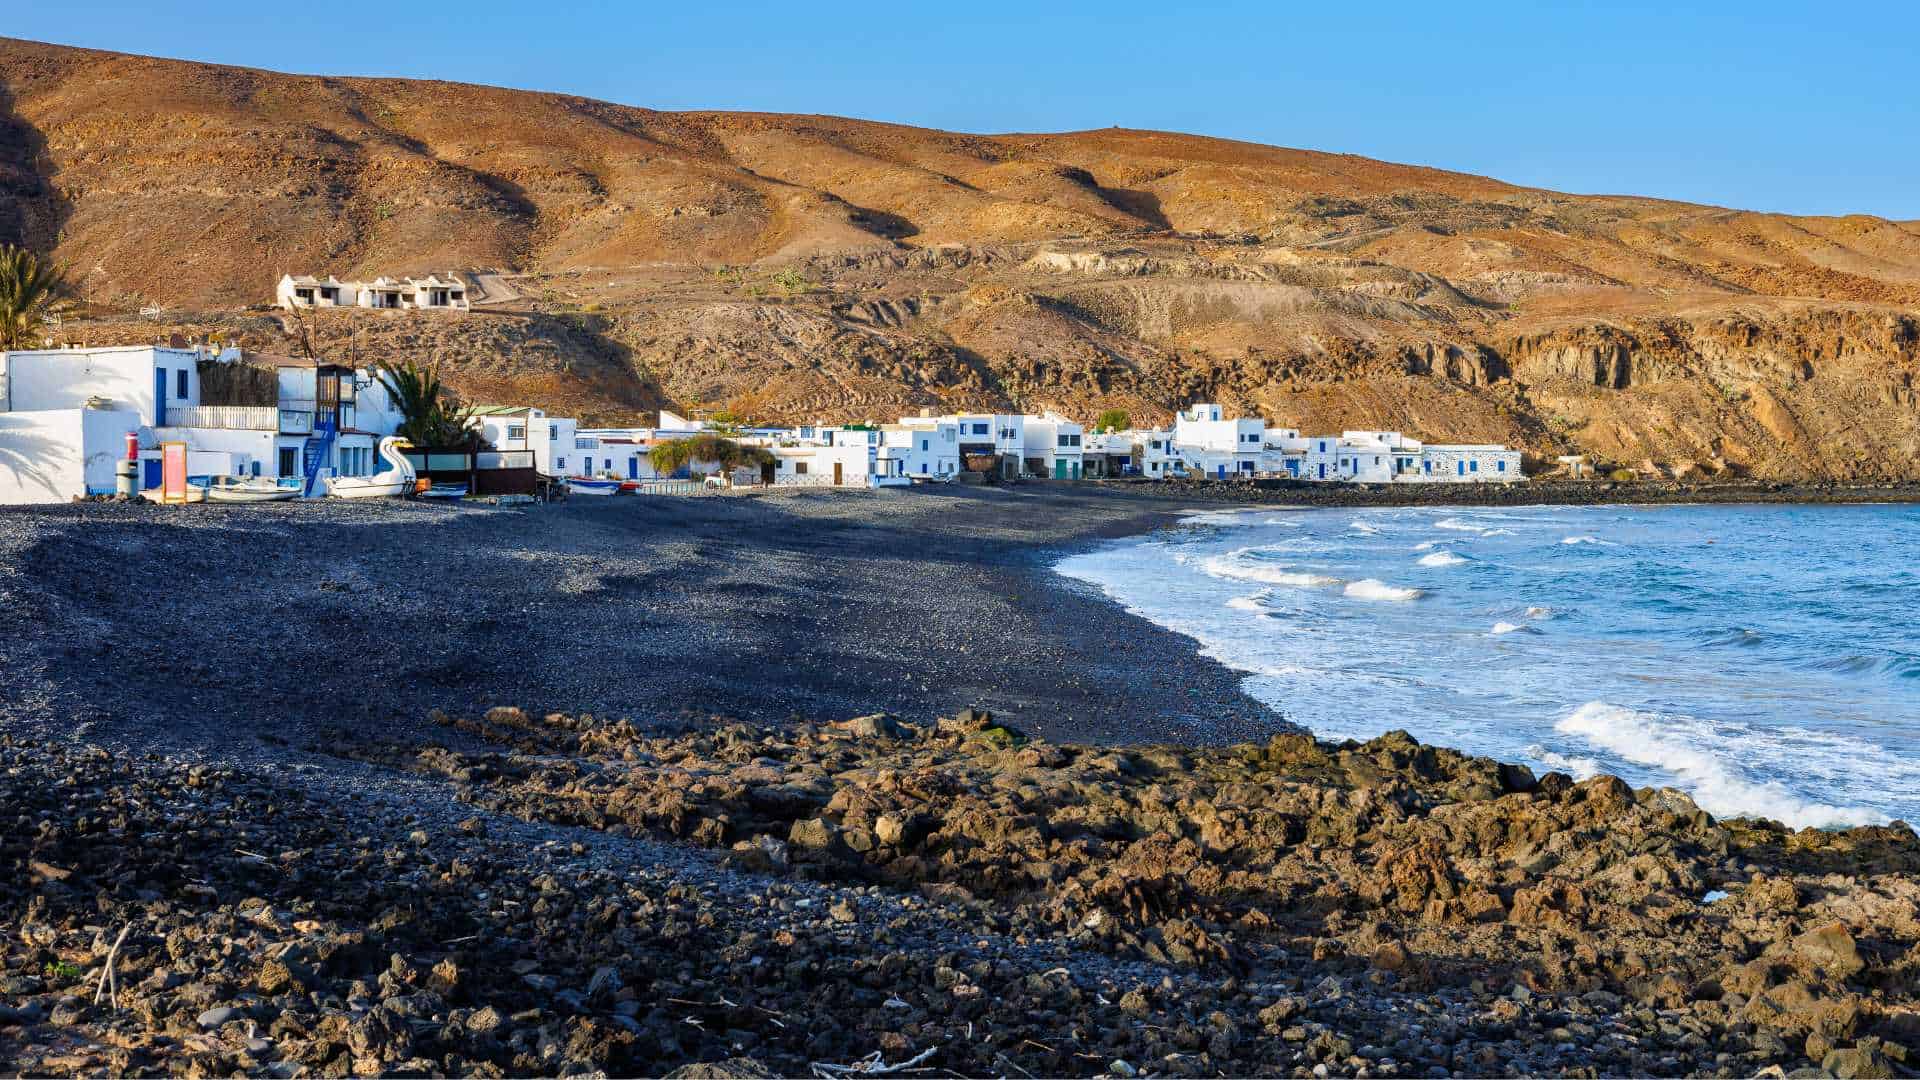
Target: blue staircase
[[315, 453]]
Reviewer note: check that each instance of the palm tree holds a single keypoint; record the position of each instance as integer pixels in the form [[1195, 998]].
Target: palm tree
[[433, 417], [30, 291]]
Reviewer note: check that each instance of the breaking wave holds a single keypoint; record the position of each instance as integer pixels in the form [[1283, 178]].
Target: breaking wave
[[1235, 566], [1441, 558], [1703, 762], [1375, 589], [1575, 541]]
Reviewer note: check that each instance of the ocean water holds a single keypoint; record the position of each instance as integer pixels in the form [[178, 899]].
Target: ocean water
[[1764, 659]]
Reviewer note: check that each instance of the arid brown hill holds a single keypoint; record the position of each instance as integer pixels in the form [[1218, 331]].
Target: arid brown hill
[[799, 266]]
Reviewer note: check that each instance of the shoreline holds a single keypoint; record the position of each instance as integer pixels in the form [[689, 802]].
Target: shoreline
[[1537, 493]]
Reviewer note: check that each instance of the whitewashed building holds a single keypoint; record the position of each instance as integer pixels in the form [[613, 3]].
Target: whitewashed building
[[927, 448], [550, 439], [1053, 447], [1207, 443], [65, 415], [431, 293]]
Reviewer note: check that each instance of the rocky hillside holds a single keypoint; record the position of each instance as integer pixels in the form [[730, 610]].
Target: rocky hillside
[[796, 266]]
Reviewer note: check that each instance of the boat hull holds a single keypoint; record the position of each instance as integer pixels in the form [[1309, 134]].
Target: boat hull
[[347, 489], [251, 495], [577, 486]]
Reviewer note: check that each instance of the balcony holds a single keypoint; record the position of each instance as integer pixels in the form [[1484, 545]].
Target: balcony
[[232, 417]]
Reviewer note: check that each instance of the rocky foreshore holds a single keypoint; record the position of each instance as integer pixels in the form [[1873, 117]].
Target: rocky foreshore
[[566, 895]]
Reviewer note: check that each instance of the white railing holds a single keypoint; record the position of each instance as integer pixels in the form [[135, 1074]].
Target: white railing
[[243, 417]]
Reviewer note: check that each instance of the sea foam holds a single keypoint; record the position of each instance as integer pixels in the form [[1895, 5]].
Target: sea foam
[[1704, 763], [1375, 589], [1441, 558], [1237, 568]]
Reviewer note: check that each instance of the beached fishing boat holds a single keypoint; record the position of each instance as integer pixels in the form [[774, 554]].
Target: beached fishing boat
[[444, 491], [587, 485], [397, 480], [233, 489], [196, 492]]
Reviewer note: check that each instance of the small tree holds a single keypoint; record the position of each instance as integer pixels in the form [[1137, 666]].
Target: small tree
[[792, 281], [673, 455], [1114, 420], [432, 417], [30, 292]]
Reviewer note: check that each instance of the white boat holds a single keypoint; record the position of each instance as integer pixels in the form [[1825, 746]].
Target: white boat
[[395, 481], [232, 489], [444, 491], [587, 485], [195, 493]]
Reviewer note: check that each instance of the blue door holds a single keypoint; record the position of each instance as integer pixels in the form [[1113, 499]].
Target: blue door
[[150, 473], [1460, 468], [1220, 472], [159, 397], [1323, 470], [633, 468]]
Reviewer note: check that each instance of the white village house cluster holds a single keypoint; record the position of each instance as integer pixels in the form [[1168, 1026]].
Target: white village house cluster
[[69, 418]]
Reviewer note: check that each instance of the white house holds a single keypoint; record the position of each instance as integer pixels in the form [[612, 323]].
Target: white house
[[927, 448], [1483, 463], [1053, 446], [1150, 451], [846, 462], [1206, 442], [65, 414], [551, 439], [1001, 436], [327, 420], [430, 293]]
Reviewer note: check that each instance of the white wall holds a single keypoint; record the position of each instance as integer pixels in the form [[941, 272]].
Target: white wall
[[50, 379], [245, 446], [50, 456], [927, 453]]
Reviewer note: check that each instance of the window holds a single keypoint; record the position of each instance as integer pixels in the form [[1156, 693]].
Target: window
[[979, 429], [1501, 466], [516, 431], [1323, 447], [289, 461], [923, 447], [923, 468], [559, 463], [799, 468], [609, 465], [586, 444], [1473, 466], [180, 384]]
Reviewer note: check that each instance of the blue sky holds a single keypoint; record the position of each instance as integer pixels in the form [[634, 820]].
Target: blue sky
[[1799, 108]]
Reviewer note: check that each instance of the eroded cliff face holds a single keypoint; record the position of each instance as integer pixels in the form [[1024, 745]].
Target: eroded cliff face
[[801, 268]]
